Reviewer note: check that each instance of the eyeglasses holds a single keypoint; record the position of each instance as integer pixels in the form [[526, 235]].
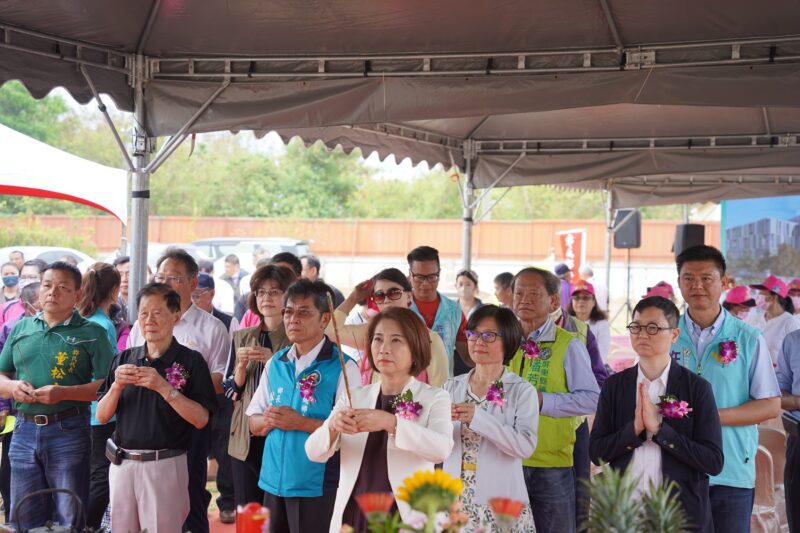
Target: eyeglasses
[[302, 313], [178, 280], [485, 336], [583, 298], [392, 294], [651, 329], [422, 278], [271, 293]]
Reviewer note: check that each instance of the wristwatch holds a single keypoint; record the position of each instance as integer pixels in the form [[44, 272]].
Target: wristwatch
[[172, 395]]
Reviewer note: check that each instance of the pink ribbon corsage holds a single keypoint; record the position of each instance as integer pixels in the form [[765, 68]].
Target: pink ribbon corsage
[[531, 349], [176, 376], [405, 407], [727, 352], [308, 386], [671, 407], [496, 394]]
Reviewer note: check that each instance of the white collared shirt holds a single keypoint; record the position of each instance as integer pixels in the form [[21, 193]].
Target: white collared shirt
[[646, 462], [198, 331], [261, 400]]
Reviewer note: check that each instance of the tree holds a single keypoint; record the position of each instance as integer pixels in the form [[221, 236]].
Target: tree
[[38, 119]]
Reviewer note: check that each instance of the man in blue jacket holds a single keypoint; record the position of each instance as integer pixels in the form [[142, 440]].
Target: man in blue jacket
[[734, 358], [296, 394]]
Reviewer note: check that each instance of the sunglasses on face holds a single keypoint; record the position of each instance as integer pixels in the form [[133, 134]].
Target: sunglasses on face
[[392, 294]]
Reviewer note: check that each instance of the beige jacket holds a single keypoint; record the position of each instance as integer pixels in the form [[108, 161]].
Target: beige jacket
[[355, 336]]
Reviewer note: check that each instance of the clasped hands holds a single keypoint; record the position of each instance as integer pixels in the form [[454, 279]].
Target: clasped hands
[[255, 354], [49, 394], [351, 421], [462, 412], [141, 376], [646, 416]]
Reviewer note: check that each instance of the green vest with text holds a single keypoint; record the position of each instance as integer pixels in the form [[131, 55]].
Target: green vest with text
[[556, 436]]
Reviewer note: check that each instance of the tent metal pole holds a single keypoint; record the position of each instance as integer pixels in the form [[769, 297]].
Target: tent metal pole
[[140, 192], [102, 107], [466, 239]]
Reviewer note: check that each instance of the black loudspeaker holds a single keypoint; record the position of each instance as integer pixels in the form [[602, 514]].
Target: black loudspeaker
[[688, 235], [627, 228]]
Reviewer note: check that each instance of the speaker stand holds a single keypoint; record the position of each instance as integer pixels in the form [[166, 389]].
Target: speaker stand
[[627, 305]]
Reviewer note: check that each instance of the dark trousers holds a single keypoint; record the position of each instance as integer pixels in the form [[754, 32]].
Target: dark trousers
[[199, 498], [220, 433], [5, 476], [246, 473], [551, 492], [791, 482], [300, 515], [98, 475], [582, 470], [731, 508]]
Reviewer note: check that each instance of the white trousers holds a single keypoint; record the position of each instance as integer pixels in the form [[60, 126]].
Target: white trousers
[[152, 496]]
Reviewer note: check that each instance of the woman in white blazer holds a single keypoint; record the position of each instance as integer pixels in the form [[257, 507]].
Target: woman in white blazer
[[395, 427], [496, 415]]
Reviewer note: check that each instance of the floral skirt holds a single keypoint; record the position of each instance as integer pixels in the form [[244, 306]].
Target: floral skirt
[[480, 515]]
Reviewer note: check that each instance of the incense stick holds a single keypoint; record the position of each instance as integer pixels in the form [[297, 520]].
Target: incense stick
[[341, 354]]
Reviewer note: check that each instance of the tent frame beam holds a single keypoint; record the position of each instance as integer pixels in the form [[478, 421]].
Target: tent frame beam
[[102, 107]]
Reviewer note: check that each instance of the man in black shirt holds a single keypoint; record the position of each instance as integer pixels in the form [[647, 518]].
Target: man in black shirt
[[160, 392]]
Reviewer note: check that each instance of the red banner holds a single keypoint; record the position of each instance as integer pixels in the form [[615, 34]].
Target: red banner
[[572, 244]]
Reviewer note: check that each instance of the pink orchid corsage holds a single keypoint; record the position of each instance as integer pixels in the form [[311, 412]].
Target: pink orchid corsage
[[405, 407], [671, 407], [496, 394], [176, 375], [531, 349], [308, 386], [727, 352]]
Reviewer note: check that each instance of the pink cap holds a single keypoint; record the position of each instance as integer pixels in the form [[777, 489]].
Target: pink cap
[[794, 285], [582, 286], [662, 288], [740, 295], [773, 284]]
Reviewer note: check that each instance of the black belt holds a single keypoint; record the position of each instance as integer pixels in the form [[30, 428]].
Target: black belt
[[150, 456], [43, 420]]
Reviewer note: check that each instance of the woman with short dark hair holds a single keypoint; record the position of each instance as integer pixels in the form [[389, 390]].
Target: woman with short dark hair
[[659, 419], [495, 419], [252, 348], [394, 427]]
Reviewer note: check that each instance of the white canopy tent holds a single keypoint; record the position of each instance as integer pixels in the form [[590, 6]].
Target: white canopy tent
[[33, 168], [587, 94]]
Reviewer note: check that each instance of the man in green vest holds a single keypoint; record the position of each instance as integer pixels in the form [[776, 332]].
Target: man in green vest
[[557, 364], [735, 359]]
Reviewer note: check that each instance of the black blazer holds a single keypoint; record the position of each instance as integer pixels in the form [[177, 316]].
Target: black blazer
[[691, 447]]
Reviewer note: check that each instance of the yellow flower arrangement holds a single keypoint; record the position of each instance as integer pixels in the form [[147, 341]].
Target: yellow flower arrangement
[[430, 493]]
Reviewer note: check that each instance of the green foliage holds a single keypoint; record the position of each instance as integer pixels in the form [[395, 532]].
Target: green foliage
[[38, 119], [614, 507], [27, 232]]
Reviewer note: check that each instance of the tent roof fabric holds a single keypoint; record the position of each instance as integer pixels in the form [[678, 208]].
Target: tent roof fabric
[[33, 168], [589, 94]]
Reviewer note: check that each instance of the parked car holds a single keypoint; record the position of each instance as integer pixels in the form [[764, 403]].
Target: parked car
[[49, 254], [244, 247]]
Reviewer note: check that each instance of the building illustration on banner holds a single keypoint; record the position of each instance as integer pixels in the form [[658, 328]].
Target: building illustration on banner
[[762, 236]]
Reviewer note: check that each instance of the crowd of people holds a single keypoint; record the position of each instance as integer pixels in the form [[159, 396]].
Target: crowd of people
[[125, 411]]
